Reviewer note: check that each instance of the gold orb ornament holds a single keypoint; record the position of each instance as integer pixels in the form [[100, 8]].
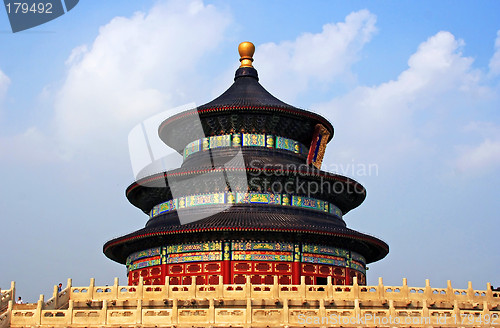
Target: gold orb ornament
[[246, 50]]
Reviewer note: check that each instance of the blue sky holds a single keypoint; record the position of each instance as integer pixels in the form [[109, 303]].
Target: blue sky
[[410, 87]]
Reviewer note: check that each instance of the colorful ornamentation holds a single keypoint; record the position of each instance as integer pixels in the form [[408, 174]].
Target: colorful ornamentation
[[236, 140], [201, 247], [262, 256], [356, 257], [255, 140], [323, 259], [296, 253], [325, 250], [220, 141], [227, 251], [244, 139], [206, 199], [143, 254], [144, 263], [257, 246], [335, 210], [205, 143], [246, 251], [269, 141], [244, 198], [357, 266], [318, 146], [191, 148], [258, 198], [311, 203], [287, 144], [194, 257]]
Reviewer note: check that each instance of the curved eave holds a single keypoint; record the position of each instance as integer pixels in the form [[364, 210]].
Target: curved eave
[[294, 225], [160, 181], [245, 96], [112, 244]]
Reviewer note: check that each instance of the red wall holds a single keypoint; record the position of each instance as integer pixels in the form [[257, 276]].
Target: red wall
[[260, 273]]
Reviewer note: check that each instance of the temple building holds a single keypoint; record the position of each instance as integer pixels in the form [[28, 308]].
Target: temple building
[[250, 198], [248, 232]]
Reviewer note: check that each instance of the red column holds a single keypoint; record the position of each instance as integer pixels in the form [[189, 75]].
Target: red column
[[226, 264], [164, 273], [296, 273], [296, 265]]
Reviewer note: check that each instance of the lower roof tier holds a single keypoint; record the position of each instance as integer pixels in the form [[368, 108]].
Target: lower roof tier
[[246, 223], [299, 180]]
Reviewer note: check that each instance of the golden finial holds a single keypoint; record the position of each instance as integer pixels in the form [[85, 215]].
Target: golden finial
[[246, 50]]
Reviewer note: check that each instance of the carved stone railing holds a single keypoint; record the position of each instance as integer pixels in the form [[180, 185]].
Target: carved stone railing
[[59, 298], [6, 296], [263, 306]]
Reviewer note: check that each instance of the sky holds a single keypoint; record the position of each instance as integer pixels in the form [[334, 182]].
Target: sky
[[411, 88]]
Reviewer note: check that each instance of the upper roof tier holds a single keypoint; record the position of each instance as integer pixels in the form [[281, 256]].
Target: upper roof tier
[[257, 111]]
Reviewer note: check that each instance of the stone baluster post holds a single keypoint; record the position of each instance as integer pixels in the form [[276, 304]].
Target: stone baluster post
[[355, 287], [70, 312], [489, 293], [248, 287], [449, 291], [329, 287], [38, 312], [140, 288], [285, 315], [470, 290], [428, 290], [405, 290], [103, 314], [211, 311], [92, 288], [275, 288], [167, 287], [302, 287], [249, 312], [55, 295], [116, 287], [381, 289], [139, 312], [13, 290], [175, 312]]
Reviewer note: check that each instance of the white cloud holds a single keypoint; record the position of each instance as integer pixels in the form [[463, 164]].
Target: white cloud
[[135, 67], [320, 57], [481, 158], [4, 84], [29, 147], [495, 60], [387, 120], [485, 155]]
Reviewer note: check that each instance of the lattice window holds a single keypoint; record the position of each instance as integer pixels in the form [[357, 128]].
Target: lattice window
[[262, 267], [213, 280], [176, 269], [309, 268], [282, 267], [241, 266], [239, 279], [324, 269], [212, 267], [285, 280], [256, 280], [194, 268]]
